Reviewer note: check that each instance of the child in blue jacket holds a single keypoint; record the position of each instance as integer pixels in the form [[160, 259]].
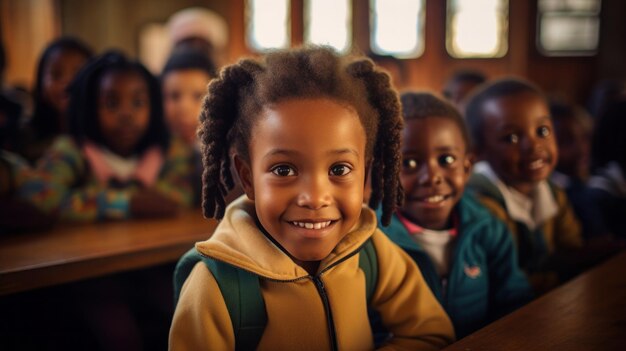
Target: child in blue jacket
[[465, 254]]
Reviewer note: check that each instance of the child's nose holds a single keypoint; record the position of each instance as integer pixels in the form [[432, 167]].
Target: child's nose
[[315, 193], [125, 113], [531, 144], [429, 174]]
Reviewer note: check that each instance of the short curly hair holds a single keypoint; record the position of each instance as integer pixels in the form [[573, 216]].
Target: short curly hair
[[421, 105], [237, 97], [508, 86]]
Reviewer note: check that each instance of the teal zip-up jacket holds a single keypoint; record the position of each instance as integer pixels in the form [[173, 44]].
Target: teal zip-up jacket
[[485, 281]]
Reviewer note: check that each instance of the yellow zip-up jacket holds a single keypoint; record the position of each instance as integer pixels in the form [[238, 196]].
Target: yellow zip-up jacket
[[296, 316]]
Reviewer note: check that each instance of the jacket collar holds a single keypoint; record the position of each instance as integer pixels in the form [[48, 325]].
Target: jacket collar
[[469, 212], [237, 240]]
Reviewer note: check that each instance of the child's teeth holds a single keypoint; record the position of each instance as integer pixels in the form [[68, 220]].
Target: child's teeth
[[536, 164], [310, 225], [436, 198]]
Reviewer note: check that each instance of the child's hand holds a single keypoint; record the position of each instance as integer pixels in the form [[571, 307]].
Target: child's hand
[[151, 203]]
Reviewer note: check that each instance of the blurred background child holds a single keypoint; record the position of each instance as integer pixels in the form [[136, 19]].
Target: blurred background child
[[199, 28], [510, 124], [184, 83], [605, 93], [572, 127], [460, 84], [466, 255], [118, 161], [58, 65], [608, 160]]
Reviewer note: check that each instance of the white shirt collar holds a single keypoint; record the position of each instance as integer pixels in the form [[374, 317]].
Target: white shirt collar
[[122, 167], [533, 211]]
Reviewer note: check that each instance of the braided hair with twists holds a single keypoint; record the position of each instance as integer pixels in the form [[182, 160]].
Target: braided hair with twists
[[238, 96]]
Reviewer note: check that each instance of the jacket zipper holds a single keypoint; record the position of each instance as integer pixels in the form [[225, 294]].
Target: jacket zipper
[[319, 284], [444, 290]]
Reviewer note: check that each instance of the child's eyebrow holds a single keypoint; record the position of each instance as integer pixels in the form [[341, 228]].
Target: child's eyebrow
[[141, 90], [448, 148], [281, 152], [294, 153], [545, 118], [344, 151]]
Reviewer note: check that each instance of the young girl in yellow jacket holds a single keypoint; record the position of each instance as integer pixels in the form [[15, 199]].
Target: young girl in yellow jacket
[[305, 127]]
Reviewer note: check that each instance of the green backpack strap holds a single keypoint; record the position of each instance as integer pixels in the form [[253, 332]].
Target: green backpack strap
[[183, 268], [241, 291], [368, 262]]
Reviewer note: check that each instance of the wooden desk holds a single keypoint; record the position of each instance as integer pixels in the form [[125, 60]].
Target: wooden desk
[[70, 253], [587, 313]]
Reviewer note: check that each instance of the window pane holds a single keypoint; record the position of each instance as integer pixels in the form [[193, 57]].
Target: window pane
[[397, 27], [566, 33], [477, 28], [568, 27], [268, 24], [328, 22], [592, 6]]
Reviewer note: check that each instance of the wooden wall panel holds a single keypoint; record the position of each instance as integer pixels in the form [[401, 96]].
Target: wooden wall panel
[[116, 23], [26, 27]]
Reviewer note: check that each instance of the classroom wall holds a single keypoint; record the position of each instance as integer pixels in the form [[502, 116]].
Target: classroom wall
[[26, 27], [116, 23]]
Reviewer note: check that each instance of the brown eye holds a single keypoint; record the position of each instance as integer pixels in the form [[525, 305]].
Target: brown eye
[[339, 170], [174, 96], [409, 164], [544, 131], [56, 74], [139, 102], [111, 103], [446, 160], [283, 171], [511, 138]]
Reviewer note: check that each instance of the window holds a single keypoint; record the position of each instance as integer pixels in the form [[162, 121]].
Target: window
[[397, 27], [477, 28], [568, 27], [328, 22], [268, 24]]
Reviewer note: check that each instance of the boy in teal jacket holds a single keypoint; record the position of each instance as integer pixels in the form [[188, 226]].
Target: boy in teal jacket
[[466, 255]]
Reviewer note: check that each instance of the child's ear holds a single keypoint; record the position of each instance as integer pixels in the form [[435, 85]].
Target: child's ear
[[368, 171], [367, 186], [468, 163], [244, 172]]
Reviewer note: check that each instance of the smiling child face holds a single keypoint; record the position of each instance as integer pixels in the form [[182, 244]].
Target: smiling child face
[[306, 175], [435, 168], [519, 142]]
